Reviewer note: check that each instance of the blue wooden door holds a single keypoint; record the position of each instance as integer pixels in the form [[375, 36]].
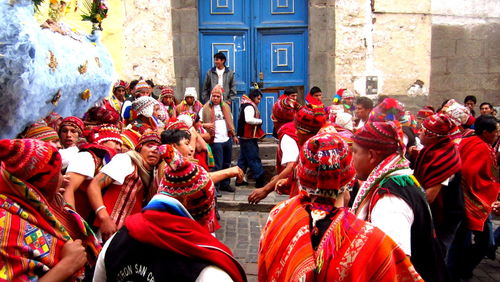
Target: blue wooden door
[[265, 41]]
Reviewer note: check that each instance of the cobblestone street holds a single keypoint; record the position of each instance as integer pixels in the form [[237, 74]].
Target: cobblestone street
[[241, 232]]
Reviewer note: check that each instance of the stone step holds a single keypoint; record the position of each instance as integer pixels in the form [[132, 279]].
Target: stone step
[[267, 150], [238, 200]]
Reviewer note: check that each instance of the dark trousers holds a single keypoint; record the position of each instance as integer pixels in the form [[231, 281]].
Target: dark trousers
[[222, 155], [249, 157], [464, 255]]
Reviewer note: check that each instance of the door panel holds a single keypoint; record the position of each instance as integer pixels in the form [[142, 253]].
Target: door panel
[[223, 13], [281, 13], [281, 56]]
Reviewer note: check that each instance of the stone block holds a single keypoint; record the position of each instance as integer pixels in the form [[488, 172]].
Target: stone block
[[402, 6], [468, 65], [442, 47], [188, 20], [448, 32], [319, 41], [494, 64], [440, 82], [469, 47], [491, 96], [180, 4], [479, 32], [317, 17], [492, 45], [176, 21], [439, 65], [490, 82]]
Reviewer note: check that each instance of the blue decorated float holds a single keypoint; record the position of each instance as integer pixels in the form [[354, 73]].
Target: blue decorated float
[[48, 67]]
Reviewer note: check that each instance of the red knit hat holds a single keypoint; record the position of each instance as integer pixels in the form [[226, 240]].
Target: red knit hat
[[325, 165], [41, 132], [310, 119], [166, 92], [26, 158], [284, 110], [180, 125], [380, 136], [107, 132], [73, 121], [425, 112], [438, 125], [148, 137], [187, 182], [101, 115], [389, 109], [120, 84], [130, 138]]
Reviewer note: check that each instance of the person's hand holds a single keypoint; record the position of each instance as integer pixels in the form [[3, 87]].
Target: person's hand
[[236, 140], [73, 256], [257, 195], [239, 173], [496, 208], [280, 183], [108, 228], [65, 183]]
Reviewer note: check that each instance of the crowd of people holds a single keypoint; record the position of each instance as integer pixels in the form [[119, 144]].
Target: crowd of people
[[129, 191]]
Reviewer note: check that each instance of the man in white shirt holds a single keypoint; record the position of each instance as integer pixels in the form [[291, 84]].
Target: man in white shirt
[[219, 75], [218, 121], [249, 132]]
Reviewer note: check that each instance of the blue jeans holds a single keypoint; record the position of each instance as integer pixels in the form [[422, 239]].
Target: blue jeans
[[249, 157], [222, 155]]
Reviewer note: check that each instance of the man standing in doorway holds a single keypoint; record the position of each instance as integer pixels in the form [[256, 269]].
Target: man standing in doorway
[[219, 75]]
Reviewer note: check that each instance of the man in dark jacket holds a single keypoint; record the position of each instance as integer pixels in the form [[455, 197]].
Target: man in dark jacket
[[221, 75]]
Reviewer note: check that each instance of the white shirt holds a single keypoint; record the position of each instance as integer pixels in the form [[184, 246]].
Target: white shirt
[[118, 168], [291, 148], [220, 125], [220, 75], [208, 274], [393, 216], [250, 116], [67, 155], [83, 163]]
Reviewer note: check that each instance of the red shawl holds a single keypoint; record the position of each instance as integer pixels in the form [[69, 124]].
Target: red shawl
[[350, 249], [183, 236], [437, 162], [479, 180]]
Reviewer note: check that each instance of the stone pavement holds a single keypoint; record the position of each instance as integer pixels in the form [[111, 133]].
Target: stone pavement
[[241, 232]]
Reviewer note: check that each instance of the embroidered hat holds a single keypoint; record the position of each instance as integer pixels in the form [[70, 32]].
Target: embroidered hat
[[389, 109], [130, 138], [310, 119], [144, 106], [344, 120], [180, 125], [425, 112], [438, 125], [142, 84], [73, 121], [187, 182], [101, 115], [218, 89], [190, 92], [54, 120], [107, 132], [185, 118], [324, 165], [148, 137], [284, 110], [347, 94], [120, 84], [26, 158], [381, 136], [166, 92], [458, 113], [41, 132]]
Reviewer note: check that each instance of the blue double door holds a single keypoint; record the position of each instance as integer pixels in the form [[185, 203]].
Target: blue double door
[[265, 42]]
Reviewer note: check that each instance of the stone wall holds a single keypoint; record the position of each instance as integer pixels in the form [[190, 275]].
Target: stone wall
[[387, 39], [465, 51], [322, 47], [147, 41], [185, 37]]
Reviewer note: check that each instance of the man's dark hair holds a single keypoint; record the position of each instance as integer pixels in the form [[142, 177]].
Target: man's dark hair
[[314, 90], [485, 123], [366, 102], [254, 94], [150, 83], [290, 90], [470, 98], [486, 103], [221, 56], [174, 136], [133, 83], [381, 98]]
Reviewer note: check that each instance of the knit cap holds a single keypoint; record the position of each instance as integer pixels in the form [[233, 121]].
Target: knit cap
[[425, 112], [26, 158], [324, 165], [310, 119], [144, 106], [142, 84], [190, 92], [438, 125], [120, 84], [148, 137], [187, 182], [41, 132], [284, 110], [107, 132], [389, 109], [130, 138], [166, 92], [458, 113], [73, 121], [381, 136]]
